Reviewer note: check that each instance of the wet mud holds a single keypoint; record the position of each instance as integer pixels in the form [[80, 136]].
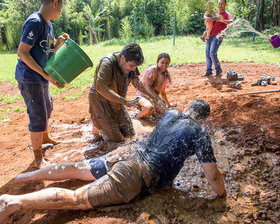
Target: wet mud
[[245, 136]]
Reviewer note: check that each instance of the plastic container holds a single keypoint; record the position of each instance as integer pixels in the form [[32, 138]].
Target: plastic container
[[275, 41], [67, 63]]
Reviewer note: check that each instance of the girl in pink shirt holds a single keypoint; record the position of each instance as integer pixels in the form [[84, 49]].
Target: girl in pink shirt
[[155, 80]]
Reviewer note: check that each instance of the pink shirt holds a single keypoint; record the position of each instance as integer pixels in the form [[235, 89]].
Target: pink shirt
[[219, 26], [156, 80]]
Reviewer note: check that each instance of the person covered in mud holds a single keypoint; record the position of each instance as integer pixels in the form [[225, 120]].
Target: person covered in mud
[[155, 80], [107, 97], [36, 47], [127, 172], [212, 46]]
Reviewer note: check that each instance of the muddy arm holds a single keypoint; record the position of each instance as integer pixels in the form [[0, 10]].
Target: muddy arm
[[108, 93], [144, 89], [164, 97], [215, 178]]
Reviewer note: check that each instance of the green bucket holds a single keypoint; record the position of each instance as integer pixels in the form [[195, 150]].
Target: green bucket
[[67, 63]]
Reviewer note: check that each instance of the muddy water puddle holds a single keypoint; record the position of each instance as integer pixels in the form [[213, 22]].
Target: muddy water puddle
[[251, 178]]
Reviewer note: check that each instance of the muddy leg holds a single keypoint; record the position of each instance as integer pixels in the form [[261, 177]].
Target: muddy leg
[[47, 139], [61, 171], [50, 198], [36, 141]]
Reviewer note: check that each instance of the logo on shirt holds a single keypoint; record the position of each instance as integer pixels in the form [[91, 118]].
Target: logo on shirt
[[30, 35], [47, 45]]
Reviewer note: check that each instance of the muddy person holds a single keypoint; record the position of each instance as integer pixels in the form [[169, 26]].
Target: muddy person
[[36, 47], [107, 97], [128, 172], [213, 44], [155, 80]]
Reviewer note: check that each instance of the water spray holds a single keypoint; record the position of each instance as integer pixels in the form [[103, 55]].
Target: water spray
[[242, 25]]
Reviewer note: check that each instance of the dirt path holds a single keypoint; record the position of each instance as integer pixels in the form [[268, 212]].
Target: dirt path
[[245, 131]]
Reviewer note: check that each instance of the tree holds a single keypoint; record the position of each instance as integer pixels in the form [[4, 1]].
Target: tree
[[261, 14], [94, 20], [275, 12]]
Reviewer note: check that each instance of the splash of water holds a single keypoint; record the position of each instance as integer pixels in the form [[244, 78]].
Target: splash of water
[[239, 26]]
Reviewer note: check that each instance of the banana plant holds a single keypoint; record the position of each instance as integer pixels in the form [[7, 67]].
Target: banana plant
[[94, 19]]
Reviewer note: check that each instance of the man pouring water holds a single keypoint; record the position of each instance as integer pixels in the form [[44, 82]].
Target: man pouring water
[[213, 44]]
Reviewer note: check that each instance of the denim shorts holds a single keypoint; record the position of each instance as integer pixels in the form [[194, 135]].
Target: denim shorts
[[39, 105]]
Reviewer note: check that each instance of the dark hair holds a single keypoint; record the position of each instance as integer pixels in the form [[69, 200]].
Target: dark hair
[[200, 108], [163, 55], [133, 52]]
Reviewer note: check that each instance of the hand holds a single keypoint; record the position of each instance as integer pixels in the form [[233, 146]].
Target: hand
[[209, 19], [134, 103], [60, 40], [215, 18], [58, 85], [172, 105], [51, 80], [221, 19], [55, 83], [63, 37], [160, 106]]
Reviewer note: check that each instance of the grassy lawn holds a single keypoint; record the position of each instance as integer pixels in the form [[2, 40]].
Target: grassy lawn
[[187, 49]]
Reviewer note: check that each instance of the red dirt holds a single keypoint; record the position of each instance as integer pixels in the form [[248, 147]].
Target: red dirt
[[250, 121]]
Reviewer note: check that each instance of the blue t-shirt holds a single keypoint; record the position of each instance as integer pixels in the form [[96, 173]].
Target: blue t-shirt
[[39, 34], [176, 137]]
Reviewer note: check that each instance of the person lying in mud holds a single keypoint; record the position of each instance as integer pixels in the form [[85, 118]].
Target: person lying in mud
[[128, 172], [155, 80]]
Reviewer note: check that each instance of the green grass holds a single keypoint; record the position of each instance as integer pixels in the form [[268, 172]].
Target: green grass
[[9, 99], [4, 114], [187, 49], [75, 93], [7, 67]]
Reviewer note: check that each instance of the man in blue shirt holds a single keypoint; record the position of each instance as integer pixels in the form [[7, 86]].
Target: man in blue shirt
[[36, 47], [126, 173]]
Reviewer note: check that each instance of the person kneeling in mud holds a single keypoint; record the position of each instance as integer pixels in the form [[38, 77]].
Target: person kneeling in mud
[[155, 80], [126, 173], [107, 97]]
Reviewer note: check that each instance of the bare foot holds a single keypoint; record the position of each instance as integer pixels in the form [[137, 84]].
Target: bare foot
[[47, 140], [7, 207], [23, 178], [202, 38], [27, 177]]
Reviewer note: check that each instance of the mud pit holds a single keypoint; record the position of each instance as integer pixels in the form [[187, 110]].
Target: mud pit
[[245, 132]]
